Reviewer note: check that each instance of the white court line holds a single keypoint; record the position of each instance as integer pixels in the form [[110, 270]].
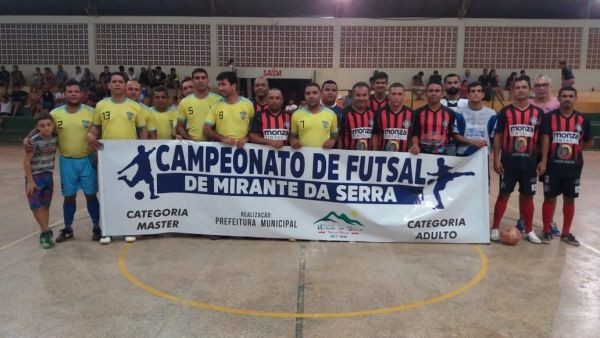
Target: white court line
[[55, 224]]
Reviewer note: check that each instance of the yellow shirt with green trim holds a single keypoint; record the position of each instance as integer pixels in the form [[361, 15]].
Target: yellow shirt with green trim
[[193, 111], [165, 122], [119, 120], [231, 120], [313, 130], [72, 130], [148, 117]]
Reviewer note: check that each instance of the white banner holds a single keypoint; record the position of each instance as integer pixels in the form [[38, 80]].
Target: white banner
[[152, 187]]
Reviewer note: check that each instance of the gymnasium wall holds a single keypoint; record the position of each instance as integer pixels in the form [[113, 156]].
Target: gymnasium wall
[[347, 50]]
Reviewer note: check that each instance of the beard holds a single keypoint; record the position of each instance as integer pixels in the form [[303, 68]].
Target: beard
[[452, 91]]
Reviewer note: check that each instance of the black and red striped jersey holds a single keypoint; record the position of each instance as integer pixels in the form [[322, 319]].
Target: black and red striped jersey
[[567, 135], [271, 126], [356, 129], [519, 129], [376, 105], [394, 129], [434, 129], [258, 108]]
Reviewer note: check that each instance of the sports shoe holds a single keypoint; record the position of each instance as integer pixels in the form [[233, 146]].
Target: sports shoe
[[46, 239], [533, 238], [570, 239], [105, 240], [129, 239], [64, 235], [96, 235], [495, 235], [547, 238], [554, 231], [520, 225]]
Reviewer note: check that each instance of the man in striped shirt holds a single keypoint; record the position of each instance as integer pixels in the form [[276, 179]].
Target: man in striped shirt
[[272, 126], [356, 125], [392, 129]]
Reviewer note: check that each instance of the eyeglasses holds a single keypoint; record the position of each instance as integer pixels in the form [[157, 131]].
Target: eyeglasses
[[541, 85]]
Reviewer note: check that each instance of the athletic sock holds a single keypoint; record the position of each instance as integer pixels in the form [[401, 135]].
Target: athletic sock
[[499, 210], [568, 214], [93, 208], [548, 214], [69, 213], [526, 205]]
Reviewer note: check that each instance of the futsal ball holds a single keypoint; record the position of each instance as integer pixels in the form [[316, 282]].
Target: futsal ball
[[510, 235], [139, 195]]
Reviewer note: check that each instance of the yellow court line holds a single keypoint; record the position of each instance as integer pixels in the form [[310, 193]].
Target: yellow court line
[[483, 268], [55, 224]]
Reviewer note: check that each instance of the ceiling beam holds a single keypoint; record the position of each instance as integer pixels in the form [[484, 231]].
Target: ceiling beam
[[464, 8]]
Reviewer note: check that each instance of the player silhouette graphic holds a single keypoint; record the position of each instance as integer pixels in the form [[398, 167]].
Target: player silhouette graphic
[[444, 176], [144, 172]]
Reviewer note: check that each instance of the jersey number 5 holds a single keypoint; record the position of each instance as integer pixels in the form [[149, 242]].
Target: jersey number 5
[[190, 110]]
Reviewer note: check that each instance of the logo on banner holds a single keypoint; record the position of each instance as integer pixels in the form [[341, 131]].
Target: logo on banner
[[443, 177], [143, 172], [339, 226]]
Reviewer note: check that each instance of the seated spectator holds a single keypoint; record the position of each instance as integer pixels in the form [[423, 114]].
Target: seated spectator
[[131, 74], [348, 99], [38, 77], [78, 76], [418, 87], [59, 95], [48, 77], [435, 77], [495, 83], [4, 78], [47, 99], [159, 77], [35, 99], [145, 77], [509, 83], [105, 75], [172, 82], [291, 107], [5, 105], [18, 98], [464, 89], [16, 77], [89, 79], [61, 76]]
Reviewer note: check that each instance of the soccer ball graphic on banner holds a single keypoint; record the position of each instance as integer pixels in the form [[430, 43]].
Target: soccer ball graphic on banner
[[510, 235]]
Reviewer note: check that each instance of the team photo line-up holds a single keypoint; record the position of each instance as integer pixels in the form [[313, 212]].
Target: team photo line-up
[[532, 138]]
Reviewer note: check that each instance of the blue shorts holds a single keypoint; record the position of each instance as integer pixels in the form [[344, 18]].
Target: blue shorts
[[42, 196], [78, 173]]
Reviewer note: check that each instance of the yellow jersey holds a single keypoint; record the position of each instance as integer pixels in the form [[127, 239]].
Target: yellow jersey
[[148, 117], [193, 111], [165, 122], [313, 130], [231, 120], [119, 120], [72, 130]]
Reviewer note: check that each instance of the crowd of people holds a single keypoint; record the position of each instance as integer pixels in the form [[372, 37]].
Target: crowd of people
[[534, 137]]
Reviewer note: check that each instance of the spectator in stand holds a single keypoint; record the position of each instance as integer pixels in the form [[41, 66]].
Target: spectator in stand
[[47, 99], [89, 79], [122, 69], [435, 77], [467, 77], [566, 75], [78, 76], [18, 97], [509, 83], [131, 74], [145, 77], [4, 79], [48, 78], [418, 87], [348, 99], [105, 75], [61, 76], [37, 77], [291, 107], [484, 79], [16, 77], [525, 76], [495, 83], [464, 90], [543, 98], [159, 78], [35, 99], [172, 82], [5, 106]]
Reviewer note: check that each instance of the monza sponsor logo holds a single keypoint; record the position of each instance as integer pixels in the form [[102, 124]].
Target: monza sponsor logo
[[521, 130], [361, 133], [395, 134], [276, 134], [565, 137]]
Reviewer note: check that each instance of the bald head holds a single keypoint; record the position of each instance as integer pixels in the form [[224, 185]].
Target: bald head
[[133, 90]]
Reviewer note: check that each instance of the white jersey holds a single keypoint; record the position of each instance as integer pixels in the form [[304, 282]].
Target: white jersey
[[476, 126], [454, 104]]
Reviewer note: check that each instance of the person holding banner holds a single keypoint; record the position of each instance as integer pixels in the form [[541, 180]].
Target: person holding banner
[[194, 108], [515, 156], [313, 125], [392, 128], [433, 124], [228, 121], [272, 126], [165, 116], [117, 118], [356, 124], [565, 133]]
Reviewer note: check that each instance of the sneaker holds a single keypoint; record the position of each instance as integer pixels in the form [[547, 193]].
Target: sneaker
[[533, 238], [570, 239], [554, 231], [495, 235], [521, 225], [547, 238], [46, 239], [129, 239], [105, 240], [96, 235], [64, 235]]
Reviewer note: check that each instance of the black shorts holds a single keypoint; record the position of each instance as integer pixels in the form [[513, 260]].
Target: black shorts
[[527, 181], [567, 186]]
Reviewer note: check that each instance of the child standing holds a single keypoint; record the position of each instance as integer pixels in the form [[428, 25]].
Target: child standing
[[39, 164]]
